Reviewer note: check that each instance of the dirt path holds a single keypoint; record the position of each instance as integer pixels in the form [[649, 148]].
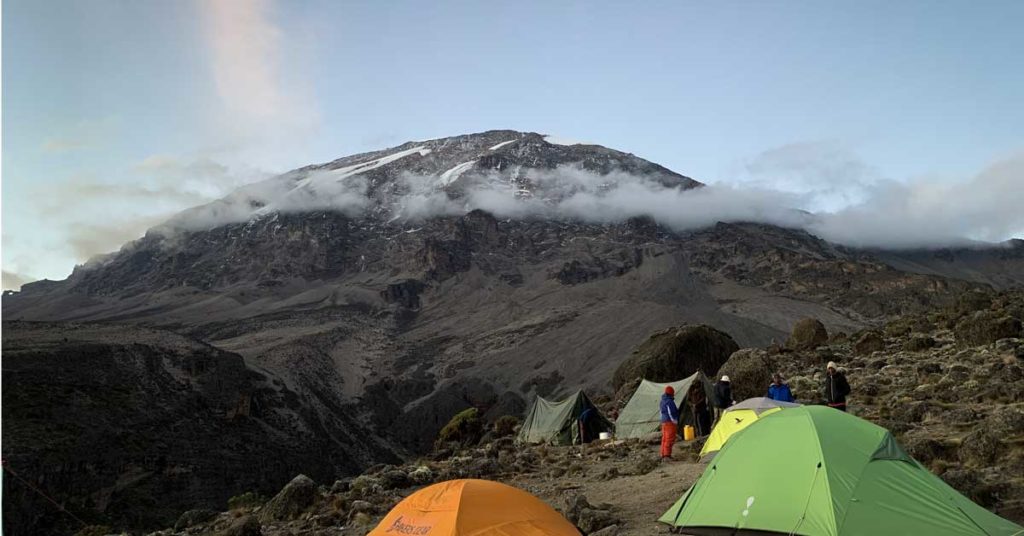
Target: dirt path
[[639, 500]]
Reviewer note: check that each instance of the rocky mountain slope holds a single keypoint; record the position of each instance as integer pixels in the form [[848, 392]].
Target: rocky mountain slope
[[948, 383], [128, 424], [376, 287]]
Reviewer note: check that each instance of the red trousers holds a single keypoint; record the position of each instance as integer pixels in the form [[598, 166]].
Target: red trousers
[[668, 438]]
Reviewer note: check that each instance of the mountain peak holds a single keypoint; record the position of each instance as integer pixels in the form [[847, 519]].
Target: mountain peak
[[443, 175]]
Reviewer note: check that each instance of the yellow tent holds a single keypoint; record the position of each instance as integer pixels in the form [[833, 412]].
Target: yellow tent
[[473, 507], [739, 417]]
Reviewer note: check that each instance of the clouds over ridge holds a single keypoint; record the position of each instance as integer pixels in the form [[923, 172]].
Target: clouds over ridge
[[875, 212]]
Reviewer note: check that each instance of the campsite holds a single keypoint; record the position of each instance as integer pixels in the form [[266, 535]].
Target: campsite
[[590, 463]]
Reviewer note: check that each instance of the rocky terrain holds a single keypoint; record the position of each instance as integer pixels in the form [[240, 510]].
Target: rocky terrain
[[369, 302], [948, 383], [125, 424]]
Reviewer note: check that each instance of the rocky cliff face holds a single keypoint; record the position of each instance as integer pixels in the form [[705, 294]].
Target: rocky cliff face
[[368, 289], [130, 426]]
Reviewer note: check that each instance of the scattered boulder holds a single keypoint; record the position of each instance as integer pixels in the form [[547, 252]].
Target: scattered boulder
[[394, 479], [675, 353], [611, 530], [243, 526], [465, 428], [986, 327], [645, 465], [361, 507], [1006, 421], [341, 485], [193, 517], [422, 475], [868, 343], [918, 343], [924, 449], [587, 517], [981, 447], [750, 371], [808, 334], [291, 501], [592, 520]]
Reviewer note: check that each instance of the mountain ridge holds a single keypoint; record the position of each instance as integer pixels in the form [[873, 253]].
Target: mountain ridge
[[399, 323]]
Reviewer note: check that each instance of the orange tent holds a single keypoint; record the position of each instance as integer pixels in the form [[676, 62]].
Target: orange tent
[[473, 507]]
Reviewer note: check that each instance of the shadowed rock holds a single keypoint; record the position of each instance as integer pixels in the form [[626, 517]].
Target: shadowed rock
[[677, 353], [808, 334]]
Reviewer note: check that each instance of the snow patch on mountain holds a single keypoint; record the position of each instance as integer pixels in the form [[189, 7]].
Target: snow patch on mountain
[[502, 144], [558, 140], [454, 173], [348, 171]]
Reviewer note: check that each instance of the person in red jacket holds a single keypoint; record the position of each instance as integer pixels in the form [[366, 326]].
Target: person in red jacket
[[669, 422]]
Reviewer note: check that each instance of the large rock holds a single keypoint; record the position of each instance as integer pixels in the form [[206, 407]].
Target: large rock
[[297, 496], [868, 343], [808, 334], [676, 353], [986, 327], [243, 526], [587, 517], [750, 372]]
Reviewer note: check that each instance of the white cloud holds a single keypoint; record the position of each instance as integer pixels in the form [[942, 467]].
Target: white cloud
[[14, 281], [928, 213], [264, 103], [827, 174], [888, 214]]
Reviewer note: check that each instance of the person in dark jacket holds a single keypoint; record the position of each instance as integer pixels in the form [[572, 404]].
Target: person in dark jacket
[[699, 406], [836, 387], [723, 396], [779, 389], [669, 422]]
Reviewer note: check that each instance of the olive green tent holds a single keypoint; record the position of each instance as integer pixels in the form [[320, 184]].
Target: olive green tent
[[558, 422], [642, 414], [813, 470]]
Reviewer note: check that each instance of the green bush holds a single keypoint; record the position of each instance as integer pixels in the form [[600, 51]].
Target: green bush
[[249, 499], [466, 428]]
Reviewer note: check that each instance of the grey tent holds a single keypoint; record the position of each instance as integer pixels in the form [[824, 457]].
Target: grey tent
[[642, 414], [761, 404], [570, 421]]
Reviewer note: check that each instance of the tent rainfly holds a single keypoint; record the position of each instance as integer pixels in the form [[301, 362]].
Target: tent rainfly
[[473, 507], [740, 416], [814, 471], [642, 414], [559, 422]]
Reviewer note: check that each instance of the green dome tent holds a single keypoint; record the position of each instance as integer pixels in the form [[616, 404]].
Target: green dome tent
[[558, 422], [815, 471], [642, 414]]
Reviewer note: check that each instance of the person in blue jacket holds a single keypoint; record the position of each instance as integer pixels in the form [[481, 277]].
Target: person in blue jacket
[[779, 389], [669, 422]]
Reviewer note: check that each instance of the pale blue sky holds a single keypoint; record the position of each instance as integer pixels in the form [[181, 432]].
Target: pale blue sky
[[116, 114]]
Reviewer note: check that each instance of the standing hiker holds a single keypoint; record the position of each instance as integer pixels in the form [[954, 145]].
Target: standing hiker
[[836, 387], [700, 411], [669, 422], [779, 389], [723, 396]]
